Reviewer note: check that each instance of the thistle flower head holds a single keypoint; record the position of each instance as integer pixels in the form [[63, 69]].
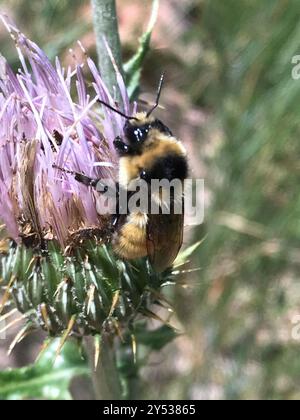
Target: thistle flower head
[[50, 118]]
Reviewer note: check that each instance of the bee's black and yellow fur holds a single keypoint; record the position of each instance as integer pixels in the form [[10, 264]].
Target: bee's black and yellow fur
[[150, 152]]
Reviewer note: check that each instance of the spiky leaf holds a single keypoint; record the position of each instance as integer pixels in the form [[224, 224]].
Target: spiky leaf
[[184, 255], [47, 379], [87, 292], [134, 66]]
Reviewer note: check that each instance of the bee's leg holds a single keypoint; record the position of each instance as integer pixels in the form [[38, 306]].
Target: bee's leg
[[84, 179], [91, 182], [122, 148]]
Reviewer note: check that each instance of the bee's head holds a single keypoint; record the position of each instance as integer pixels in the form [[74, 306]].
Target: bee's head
[[138, 126], [136, 130]]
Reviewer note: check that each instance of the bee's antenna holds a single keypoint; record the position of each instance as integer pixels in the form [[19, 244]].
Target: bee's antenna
[[160, 85], [116, 110], [66, 171]]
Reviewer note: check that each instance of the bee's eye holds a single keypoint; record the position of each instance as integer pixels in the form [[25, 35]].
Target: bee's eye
[[136, 134]]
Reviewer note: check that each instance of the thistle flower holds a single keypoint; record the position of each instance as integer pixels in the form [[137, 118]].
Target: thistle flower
[[42, 125], [57, 265]]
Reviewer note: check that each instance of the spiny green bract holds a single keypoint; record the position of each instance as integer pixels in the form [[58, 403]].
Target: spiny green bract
[[86, 293]]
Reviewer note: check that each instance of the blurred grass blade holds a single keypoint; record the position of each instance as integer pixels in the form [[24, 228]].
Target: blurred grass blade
[[155, 339], [134, 66]]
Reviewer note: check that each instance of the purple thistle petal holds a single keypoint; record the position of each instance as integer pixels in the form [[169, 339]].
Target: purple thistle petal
[[37, 105]]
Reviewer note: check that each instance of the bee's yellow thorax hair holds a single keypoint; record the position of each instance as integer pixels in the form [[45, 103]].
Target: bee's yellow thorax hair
[[156, 146]]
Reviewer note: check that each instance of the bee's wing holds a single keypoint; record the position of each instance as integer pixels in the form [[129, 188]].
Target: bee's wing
[[164, 239]]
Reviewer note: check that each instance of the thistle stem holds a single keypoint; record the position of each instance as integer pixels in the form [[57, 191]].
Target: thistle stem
[[106, 29], [106, 377]]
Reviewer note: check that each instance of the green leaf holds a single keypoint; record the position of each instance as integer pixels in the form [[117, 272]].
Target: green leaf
[[187, 253], [47, 379], [133, 67], [155, 339]]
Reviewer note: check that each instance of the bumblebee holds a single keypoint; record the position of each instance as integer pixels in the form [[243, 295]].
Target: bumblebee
[[148, 151]]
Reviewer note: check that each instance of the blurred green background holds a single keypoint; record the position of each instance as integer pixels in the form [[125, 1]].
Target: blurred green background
[[231, 98]]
